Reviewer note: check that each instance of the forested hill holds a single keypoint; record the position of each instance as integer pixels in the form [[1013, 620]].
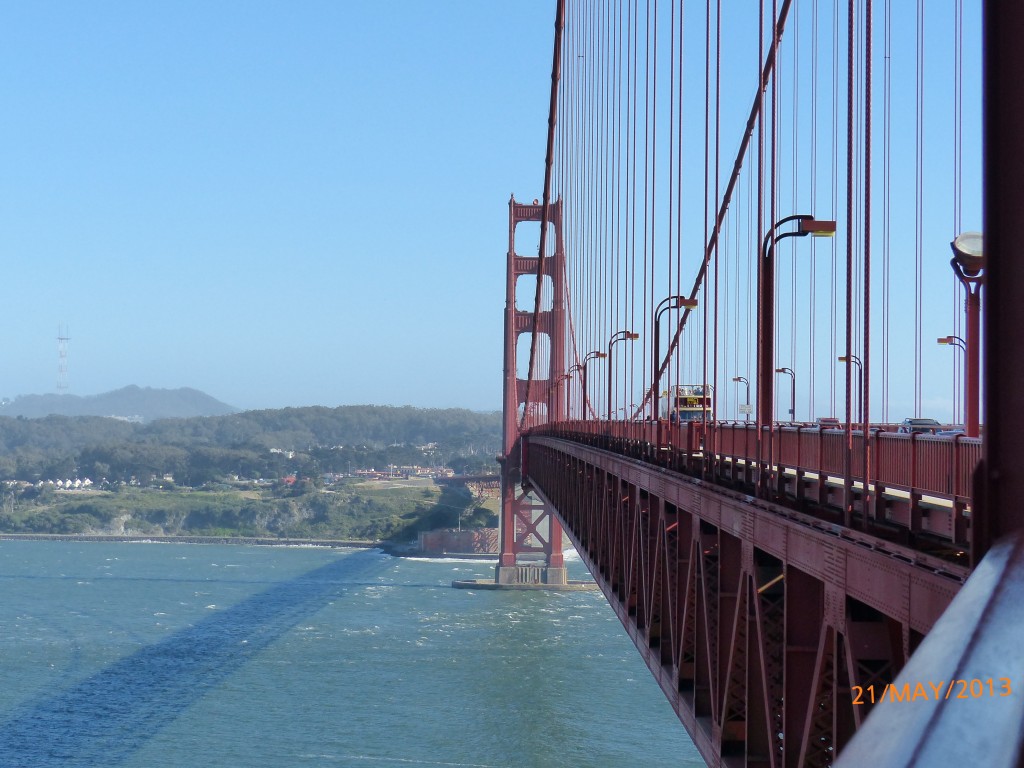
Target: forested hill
[[250, 443], [131, 403]]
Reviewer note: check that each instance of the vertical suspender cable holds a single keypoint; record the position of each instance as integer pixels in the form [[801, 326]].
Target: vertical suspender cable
[[886, 204], [677, 288], [753, 122], [761, 449], [848, 369], [794, 189], [773, 200], [919, 210], [865, 372], [648, 208], [671, 167], [707, 178], [958, 287], [812, 293], [834, 320], [718, 133]]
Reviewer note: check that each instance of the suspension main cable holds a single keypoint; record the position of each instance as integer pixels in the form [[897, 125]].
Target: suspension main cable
[[556, 69]]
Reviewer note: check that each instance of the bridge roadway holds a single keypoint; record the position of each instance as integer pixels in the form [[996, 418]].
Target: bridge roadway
[[760, 617], [919, 485]]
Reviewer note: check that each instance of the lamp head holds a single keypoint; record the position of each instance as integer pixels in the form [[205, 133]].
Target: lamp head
[[968, 252], [817, 228]]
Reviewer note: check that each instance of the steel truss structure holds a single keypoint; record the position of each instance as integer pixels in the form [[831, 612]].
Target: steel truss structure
[[763, 626]]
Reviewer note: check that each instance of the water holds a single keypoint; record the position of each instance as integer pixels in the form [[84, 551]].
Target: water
[[155, 655]]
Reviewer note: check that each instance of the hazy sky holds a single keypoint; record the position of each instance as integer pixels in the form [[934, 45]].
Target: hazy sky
[[278, 203], [304, 202]]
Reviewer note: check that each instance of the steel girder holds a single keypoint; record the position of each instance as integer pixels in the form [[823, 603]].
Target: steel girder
[[755, 620]]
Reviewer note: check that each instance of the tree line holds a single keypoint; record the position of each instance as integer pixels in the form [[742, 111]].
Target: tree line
[[253, 444]]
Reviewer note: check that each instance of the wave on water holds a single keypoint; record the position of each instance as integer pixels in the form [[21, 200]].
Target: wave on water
[[468, 560], [397, 760], [105, 718]]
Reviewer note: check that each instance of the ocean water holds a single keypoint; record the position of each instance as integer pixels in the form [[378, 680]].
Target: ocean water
[[167, 655]]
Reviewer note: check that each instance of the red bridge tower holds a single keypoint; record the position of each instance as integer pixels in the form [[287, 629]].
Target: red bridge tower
[[531, 536]]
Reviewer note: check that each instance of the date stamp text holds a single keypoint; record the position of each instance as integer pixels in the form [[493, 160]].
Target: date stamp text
[[975, 688]]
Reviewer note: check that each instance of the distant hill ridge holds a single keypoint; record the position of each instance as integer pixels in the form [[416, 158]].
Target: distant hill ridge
[[132, 403]]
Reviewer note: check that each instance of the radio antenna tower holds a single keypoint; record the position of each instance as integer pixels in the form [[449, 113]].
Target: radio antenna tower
[[62, 359]]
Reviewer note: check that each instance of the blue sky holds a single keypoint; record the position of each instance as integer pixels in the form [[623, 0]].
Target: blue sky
[[913, 298], [278, 203], [305, 202]]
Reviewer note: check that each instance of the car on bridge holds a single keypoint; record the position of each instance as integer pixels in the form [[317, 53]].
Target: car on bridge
[[919, 426]]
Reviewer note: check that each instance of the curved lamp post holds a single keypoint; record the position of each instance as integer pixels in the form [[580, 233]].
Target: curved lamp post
[[672, 302], [953, 341], [860, 382], [616, 337], [595, 355], [806, 224], [968, 264], [743, 380], [792, 394], [552, 395], [568, 374]]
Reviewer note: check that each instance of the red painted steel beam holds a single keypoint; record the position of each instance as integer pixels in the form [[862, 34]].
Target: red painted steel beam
[[958, 700], [1002, 480], [921, 483], [755, 620]]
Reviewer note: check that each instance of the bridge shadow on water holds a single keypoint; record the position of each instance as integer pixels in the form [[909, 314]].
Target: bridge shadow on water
[[105, 718]]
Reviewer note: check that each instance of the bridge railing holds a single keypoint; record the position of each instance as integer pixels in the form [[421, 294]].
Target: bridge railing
[[920, 482]]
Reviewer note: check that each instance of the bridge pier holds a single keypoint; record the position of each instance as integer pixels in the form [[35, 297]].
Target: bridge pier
[[531, 545], [531, 538], [531, 575]]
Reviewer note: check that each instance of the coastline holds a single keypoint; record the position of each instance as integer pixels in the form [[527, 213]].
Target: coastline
[[251, 540], [389, 548]]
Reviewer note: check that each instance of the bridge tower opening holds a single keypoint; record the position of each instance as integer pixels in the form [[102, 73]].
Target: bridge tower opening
[[531, 537]]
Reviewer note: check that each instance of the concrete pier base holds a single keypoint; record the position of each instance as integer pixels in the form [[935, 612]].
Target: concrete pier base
[[532, 573], [532, 576]]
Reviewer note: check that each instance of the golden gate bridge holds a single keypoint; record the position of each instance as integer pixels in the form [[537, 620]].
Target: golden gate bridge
[[797, 199]]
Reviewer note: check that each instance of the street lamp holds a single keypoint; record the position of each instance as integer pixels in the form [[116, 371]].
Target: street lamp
[[860, 382], [672, 302], [552, 396], [953, 341], [806, 224], [792, 394], [616, 337], [595, 355], [568, 374], [746, 410], [968, 265]]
